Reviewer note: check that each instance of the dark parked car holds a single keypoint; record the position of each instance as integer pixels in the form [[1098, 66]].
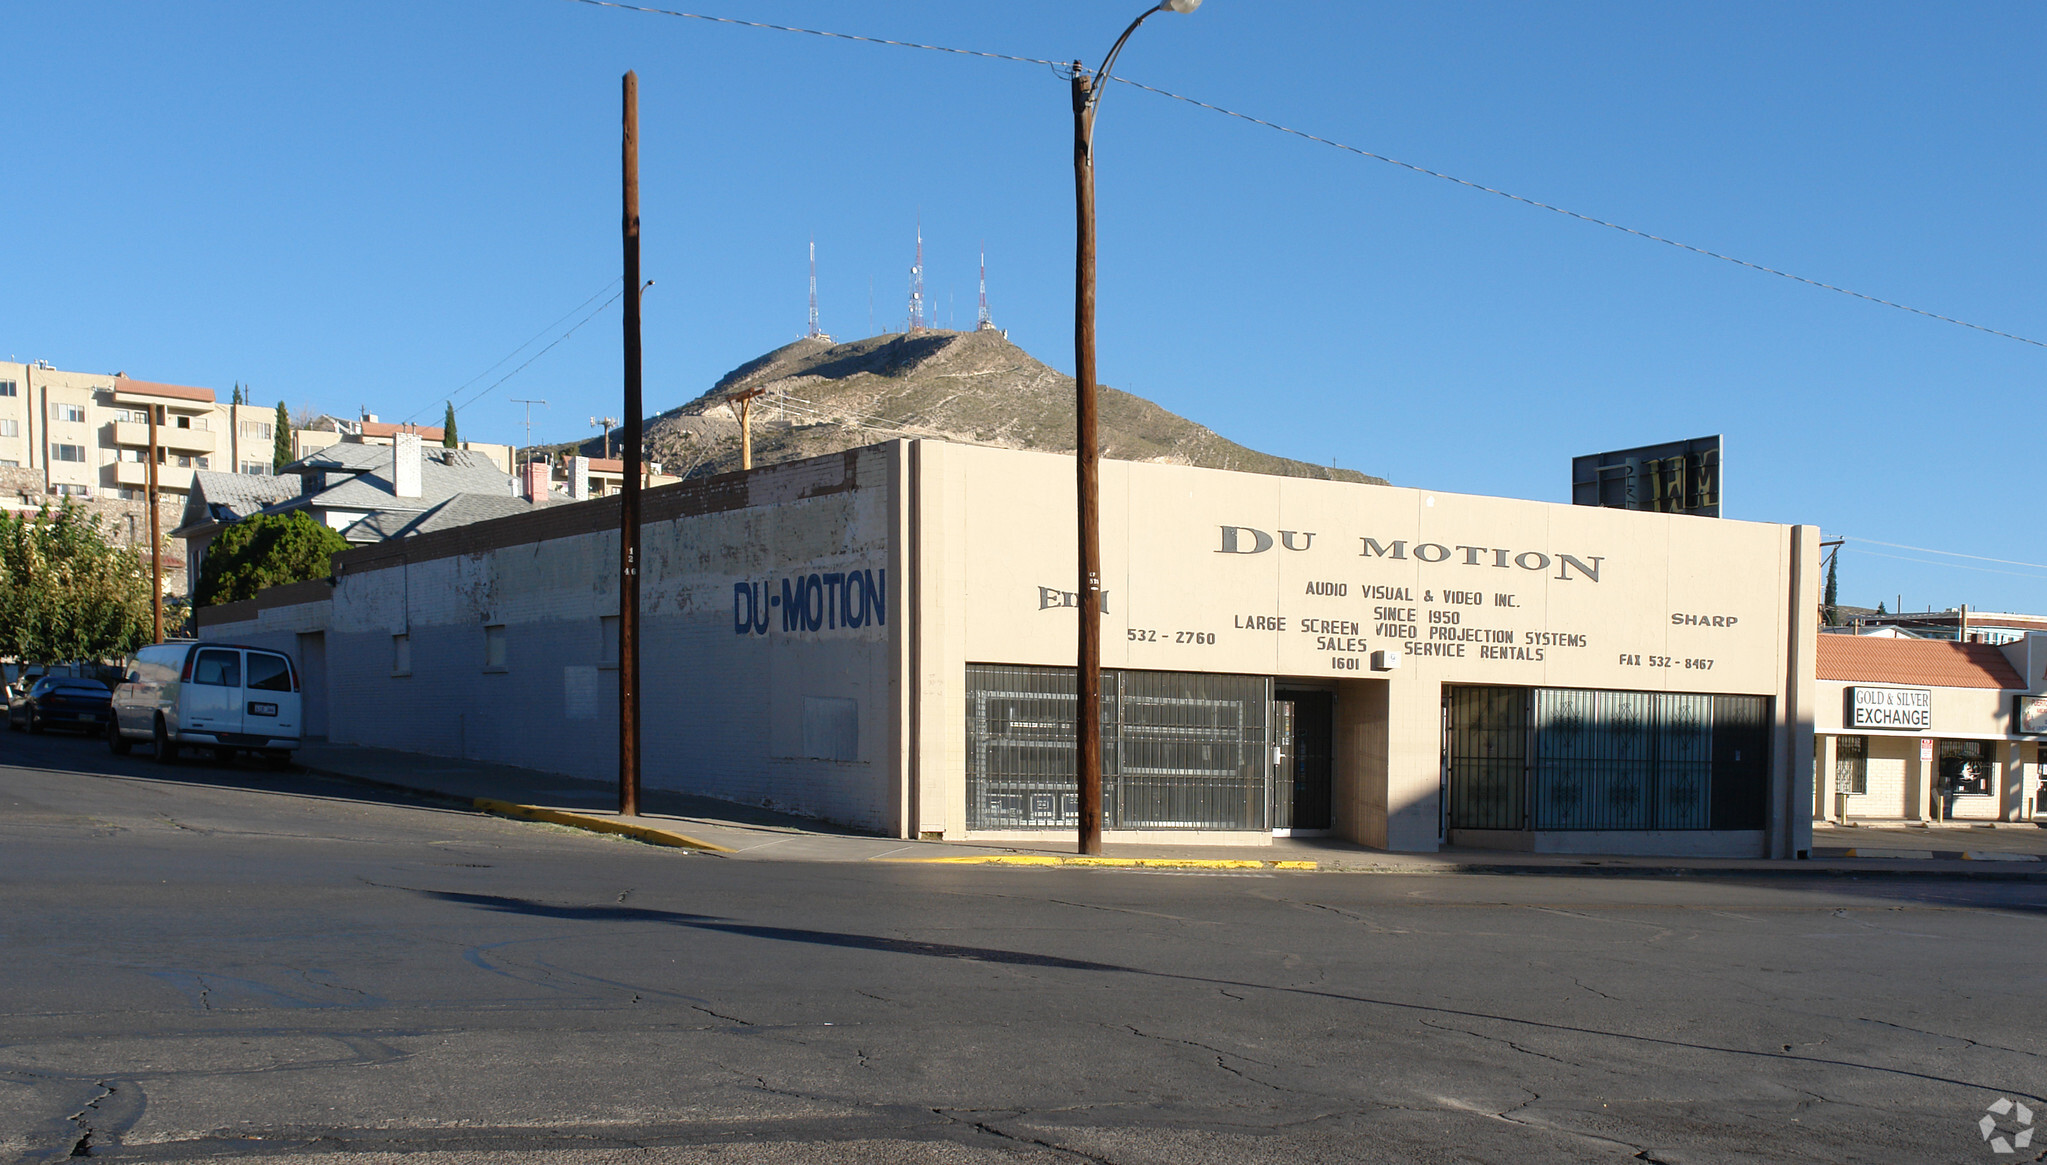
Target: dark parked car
[[62, 702]]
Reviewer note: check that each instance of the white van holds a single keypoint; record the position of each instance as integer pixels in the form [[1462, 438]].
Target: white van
[[220, 696]]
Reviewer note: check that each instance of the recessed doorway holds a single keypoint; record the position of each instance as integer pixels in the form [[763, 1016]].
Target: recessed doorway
[[1304, 735]]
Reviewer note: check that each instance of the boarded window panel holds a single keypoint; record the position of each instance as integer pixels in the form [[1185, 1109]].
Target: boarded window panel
[[831, 728]]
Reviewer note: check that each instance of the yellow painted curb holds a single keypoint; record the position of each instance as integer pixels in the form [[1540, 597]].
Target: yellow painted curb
[[1114, 863], [596, 824]]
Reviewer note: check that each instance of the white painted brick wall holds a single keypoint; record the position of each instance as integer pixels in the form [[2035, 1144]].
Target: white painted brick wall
[[717, 706]]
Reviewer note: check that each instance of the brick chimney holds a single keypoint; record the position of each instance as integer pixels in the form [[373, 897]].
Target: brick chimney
[[579, 478], [536, 475], [405, 457]]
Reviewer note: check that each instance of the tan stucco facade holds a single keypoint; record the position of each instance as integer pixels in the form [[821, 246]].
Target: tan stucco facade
[[1305, 581]]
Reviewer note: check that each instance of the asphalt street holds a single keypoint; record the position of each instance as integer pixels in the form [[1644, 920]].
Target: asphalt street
[[203, 962]]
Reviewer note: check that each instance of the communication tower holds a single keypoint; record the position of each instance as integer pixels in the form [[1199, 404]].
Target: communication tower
[[815, 332], [917, 283], [984, 323]]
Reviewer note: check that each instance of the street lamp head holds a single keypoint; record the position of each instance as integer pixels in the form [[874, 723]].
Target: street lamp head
[[1180, 5]]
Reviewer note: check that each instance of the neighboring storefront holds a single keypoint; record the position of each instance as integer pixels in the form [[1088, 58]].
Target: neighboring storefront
[[885, 638], [1929, 730]]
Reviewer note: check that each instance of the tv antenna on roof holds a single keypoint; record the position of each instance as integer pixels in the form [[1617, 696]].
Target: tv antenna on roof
[[529, 423]]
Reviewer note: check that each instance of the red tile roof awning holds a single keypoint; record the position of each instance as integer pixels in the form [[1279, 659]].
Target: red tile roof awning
[[1927, 663]]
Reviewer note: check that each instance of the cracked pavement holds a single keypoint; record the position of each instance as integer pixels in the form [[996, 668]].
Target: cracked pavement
[[212, 963]]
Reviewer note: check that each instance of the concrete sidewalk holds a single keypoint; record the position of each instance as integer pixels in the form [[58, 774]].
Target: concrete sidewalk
[[729, 829]]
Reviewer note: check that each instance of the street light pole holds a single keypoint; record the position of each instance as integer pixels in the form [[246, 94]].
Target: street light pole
[[1087, 719]]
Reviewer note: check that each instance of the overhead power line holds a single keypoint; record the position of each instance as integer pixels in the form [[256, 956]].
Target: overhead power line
[[1953, 553], [486, 390], [1948, 565], [1363, 153], [901, 44], [457, 390]]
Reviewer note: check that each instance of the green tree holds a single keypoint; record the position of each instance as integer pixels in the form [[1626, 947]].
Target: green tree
[[448, 428], [1880, 608], [280, 450], [1832, 602], [66, 591], [267, 550]]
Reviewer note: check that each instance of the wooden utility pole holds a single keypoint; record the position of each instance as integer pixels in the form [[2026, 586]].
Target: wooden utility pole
[[742, 406], [155, 538], [1087, 711], [629, 499]]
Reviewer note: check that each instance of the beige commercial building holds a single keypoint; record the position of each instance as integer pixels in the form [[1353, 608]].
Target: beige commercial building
[[1920, 730], [886, 638], [87, 434]]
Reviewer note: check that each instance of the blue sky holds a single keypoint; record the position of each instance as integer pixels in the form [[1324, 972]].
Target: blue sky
[[372, 203]]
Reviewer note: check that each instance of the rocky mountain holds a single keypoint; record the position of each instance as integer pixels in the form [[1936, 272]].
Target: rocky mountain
[[972, 387]]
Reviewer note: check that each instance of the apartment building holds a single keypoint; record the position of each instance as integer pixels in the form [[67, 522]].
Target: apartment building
[[86, 434]]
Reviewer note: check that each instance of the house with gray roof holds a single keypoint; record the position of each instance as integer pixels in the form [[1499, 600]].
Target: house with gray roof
[[369, 493]]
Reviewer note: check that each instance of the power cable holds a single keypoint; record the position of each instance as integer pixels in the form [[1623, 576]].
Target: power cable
[[1363, 153], [1953, 553], [1953, 565], [903, 44], [481, 393], [1585, 218], [456, 391]]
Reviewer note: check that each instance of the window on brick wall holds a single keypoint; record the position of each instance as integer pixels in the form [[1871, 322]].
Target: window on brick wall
[[401, 655], [256, 430], [71, 412], [67, 453], [257, 468], [494, 655], [7, 388], [1851, 765], [73, 491]]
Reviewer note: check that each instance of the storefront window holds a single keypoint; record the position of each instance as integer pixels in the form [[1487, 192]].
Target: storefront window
[[1964, 768], [1180, 750], [1600, 760], [1851, 765]]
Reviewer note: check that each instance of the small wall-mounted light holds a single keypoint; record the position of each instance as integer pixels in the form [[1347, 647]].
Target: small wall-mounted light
[[1386, 660]]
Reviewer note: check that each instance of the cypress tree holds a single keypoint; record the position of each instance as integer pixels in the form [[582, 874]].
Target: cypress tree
[[1832, 601], [280, 455], [448, 428]]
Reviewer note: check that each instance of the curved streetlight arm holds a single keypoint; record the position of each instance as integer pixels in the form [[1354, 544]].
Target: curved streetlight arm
[[1109, 62]]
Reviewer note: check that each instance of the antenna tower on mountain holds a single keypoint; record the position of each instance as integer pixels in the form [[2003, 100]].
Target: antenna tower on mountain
[[917, 283], [815, 332], [984, 324]]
